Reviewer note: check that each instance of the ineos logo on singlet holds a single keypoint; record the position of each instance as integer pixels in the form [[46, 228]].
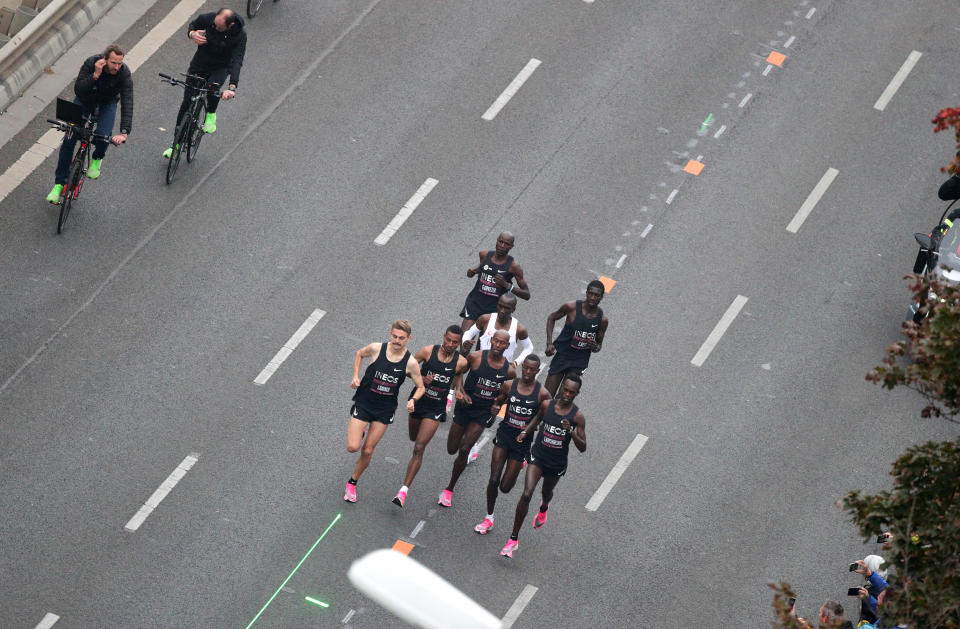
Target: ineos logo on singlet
[[439, 378], [522, 410], [486, 383], [386, 377], [555, 430]]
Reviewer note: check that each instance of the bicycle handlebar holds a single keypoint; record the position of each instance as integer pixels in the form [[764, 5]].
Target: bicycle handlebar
[[175, 81], [81, 131]]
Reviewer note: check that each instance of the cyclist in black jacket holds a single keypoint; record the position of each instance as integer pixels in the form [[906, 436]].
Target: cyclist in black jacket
[[221, 43], [103, 80]]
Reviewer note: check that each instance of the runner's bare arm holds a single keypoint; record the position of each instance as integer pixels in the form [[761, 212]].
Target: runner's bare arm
[[534, 421], [579, 434], [413, 371], [371, 351], [600, 334], [521, 289], [501, 396], [560, 313], [474, 270], [423, 356]]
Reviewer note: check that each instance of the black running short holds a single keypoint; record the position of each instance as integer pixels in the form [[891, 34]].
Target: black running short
[[474, 307], [464, 414], [534, 458], [367, 416], [506, 439], [430, 409], [567, 364]]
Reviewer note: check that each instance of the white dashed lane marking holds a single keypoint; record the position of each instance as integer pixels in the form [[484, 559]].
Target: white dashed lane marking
[[897, 80], [812, 199], [157, 497], [719, 330], [625, 460], [511, 89], [288, 347], [405, 212], [518, 606]]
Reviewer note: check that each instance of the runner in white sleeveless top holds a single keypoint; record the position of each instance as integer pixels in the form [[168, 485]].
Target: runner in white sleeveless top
[[504, 320]]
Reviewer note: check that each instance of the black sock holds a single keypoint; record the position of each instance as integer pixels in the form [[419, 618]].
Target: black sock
[[543, 508], [513, 537], [352, 481]]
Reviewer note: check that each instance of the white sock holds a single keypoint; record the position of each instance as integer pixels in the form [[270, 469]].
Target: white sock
[[404, 488], [490, 517]]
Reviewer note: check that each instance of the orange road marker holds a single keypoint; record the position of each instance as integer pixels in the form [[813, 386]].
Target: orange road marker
[[608, 283], [402, 547], [776, 58], [693, 167]]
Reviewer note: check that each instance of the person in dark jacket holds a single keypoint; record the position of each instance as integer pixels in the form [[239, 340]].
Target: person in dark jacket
[[221, 44], [103, 80]]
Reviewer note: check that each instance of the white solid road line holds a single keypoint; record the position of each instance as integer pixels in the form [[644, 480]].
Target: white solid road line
[[405, 212], [625, 460], [812, 200], [48, 621], [897, 80], [165, 488], [518, 606], [288, 347], [719, 330], [50, 141], [508, 93]]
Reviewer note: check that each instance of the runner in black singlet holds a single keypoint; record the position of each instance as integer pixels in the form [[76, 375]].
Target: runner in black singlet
[[475, 397], [582, 335], [523, 396], [375, 401], [495, 276], [441, 367], [560, 422]]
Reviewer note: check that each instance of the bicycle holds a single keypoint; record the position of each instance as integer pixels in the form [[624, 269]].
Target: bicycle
[[84, 133], [253, 6], [190, 131]]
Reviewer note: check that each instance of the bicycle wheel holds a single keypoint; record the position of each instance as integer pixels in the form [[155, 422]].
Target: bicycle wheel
[[196, 130], [252, 7], [183, 132], [71, 190]]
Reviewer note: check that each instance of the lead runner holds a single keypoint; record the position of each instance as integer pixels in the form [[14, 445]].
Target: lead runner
[[375, 401]]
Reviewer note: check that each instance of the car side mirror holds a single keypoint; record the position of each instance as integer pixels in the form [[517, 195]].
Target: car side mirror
[[924, 240]]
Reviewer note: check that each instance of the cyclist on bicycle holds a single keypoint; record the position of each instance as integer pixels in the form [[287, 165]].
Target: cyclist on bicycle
[[221, 43], [102, 81]]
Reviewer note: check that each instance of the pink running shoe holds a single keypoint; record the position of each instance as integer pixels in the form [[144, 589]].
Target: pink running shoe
[[446, 498], [484, 527], [540, 520], [350, 494], [509, 548], [400, 498]]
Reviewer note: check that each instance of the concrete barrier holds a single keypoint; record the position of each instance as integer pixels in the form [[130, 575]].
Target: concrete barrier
[[41, 42]]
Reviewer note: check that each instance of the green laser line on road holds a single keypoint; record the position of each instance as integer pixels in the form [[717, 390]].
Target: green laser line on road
[[310, 599], [706, 123], [289, 576]]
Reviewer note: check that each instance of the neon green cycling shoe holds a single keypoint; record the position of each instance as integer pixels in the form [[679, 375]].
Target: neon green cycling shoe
[[54, 196], [210, 123], [94, 171], [169, 152]]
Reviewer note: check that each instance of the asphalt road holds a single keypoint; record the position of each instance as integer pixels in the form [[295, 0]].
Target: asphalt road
[[132, 340]]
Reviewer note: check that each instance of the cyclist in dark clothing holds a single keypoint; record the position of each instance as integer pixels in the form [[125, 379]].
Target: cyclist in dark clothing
[[103, 80], [221, 44]]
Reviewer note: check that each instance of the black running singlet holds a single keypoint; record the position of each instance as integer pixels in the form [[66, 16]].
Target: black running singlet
[[435, 395], [572, 343], [552, 442], [521, 408], [485, 292], [380, 384], [483, 383]]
